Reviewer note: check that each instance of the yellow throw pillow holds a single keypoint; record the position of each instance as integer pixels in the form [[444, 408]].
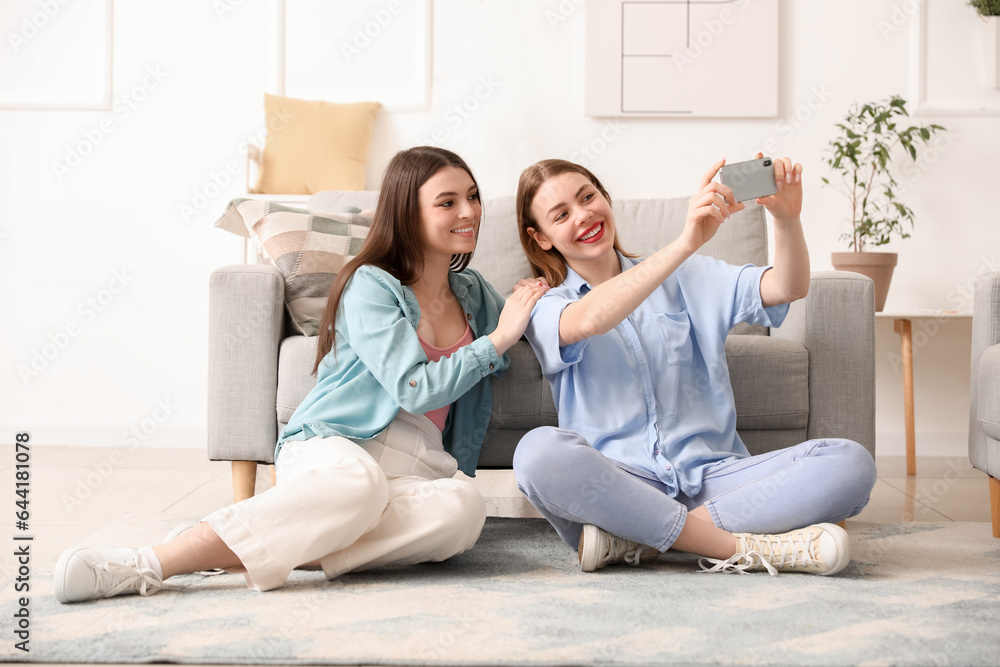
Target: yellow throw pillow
[[313, 146]]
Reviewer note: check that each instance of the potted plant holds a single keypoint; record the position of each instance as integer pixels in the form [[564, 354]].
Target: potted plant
[[989, 11], [862, 154]]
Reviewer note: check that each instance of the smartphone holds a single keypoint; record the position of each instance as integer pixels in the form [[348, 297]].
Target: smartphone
[[750, 179]]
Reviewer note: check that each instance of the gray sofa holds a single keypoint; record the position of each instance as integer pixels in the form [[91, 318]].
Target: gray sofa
[[984, 392], [813, 377]]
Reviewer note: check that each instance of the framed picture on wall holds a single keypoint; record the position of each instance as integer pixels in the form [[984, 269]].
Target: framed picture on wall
[[947, 61], [56, 55], [654, 57], [364, 50]]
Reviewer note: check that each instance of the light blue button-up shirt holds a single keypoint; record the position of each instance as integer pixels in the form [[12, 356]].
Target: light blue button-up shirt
[[379, 366], [654, 392]]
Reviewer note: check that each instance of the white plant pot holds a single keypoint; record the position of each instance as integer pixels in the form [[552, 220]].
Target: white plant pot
[[991, 54]]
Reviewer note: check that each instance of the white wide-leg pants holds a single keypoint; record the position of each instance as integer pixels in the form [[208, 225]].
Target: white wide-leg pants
[[354, 506]]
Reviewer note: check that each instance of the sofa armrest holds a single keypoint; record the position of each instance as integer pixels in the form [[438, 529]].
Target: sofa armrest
[[246, 308], [836, 324], [988, 403], [985, 334]]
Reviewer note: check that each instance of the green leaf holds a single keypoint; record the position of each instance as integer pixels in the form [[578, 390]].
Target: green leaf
[[864, 154]]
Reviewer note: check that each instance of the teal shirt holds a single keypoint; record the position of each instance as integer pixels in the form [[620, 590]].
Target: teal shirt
[[378, 366]]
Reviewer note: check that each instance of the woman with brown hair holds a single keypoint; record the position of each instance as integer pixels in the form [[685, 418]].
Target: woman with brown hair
[[646, 457], [410, 337]]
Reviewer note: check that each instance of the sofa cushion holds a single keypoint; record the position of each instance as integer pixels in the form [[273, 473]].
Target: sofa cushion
[[646, 225], [522, 397], [295, 378], [308, 249], [989, 392], [770, 379], [313, 146], [762, 441]]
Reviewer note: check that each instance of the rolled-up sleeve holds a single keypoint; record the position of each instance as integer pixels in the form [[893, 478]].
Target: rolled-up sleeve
[[543, 335], [748, 306]]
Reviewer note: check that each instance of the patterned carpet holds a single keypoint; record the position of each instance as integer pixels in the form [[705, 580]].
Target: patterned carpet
[[914, 594]]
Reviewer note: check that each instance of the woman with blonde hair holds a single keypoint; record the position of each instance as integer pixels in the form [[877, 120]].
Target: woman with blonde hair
[[646, 457]]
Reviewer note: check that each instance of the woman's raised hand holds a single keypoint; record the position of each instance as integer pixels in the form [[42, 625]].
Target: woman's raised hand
[[708, 209], [786, 204], [517, 313]]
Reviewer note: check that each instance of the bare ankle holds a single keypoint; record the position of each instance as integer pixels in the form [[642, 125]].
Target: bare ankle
[[198, 549]]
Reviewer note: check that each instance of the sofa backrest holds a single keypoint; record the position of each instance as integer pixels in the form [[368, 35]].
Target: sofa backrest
[[644, 226]]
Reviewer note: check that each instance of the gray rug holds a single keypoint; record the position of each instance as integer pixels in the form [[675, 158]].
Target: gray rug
[[914, 594]]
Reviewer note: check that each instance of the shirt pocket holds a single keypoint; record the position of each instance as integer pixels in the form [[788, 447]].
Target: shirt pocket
[[675, 330]]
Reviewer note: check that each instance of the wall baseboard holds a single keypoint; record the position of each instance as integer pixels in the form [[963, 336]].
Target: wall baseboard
[[172, 436], [928, 444]]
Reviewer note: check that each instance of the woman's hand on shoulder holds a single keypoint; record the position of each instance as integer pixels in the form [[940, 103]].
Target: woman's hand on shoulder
[[516, 314], [786, 203], [531, 282], [707, 210]]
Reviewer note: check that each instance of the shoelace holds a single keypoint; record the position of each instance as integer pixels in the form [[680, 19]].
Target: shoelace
[[620, 549], [127, 576], [788, 549], [738, 563]]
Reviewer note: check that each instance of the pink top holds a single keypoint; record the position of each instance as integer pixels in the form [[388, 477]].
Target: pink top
[[433, 354]]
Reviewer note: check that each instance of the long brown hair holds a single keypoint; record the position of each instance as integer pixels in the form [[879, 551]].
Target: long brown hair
[[549, 263], [394, 242]]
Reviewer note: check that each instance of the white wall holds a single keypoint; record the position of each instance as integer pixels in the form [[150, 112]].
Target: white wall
[[140, 362]]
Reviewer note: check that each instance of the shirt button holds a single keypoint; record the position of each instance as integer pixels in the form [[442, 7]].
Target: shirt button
[[656, 451], [468, 316], [491, 366], [413, 383]]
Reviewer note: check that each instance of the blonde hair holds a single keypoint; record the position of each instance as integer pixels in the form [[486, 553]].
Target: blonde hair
[[549, 263]]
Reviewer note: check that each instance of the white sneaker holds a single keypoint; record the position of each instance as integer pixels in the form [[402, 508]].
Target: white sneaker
[[179, 530], [599, 548], [819, 549], [90, 574]]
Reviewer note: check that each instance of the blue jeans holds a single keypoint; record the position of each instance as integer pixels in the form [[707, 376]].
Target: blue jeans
[[573, 484]]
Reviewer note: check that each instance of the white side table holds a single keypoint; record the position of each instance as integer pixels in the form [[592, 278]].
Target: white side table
[[902, 324]]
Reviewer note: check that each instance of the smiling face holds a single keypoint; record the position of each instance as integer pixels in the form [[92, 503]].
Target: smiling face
[[449, 213], [573, 217]]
